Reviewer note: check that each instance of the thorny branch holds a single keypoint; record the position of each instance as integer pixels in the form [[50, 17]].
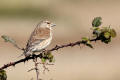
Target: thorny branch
[[104, 34], [35, 56]]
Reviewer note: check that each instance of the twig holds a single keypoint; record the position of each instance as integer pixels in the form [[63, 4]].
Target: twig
[[36, 68], [18, 47], [31, 69], [40, 55]]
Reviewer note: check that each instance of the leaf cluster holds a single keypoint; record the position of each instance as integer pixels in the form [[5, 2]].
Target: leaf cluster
[[3, 75], [105, 34], [47, 57]]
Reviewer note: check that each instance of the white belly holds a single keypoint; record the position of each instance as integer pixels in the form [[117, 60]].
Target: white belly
[[42, 45]]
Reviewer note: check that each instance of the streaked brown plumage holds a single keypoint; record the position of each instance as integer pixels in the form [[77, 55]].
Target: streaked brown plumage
[[40, 38]]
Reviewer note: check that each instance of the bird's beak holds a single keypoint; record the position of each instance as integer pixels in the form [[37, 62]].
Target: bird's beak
[[52, 25]]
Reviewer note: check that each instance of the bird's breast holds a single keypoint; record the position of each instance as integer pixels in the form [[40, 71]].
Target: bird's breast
[[42, 45]]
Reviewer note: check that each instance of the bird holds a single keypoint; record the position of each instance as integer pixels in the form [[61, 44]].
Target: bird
[[40, 38]]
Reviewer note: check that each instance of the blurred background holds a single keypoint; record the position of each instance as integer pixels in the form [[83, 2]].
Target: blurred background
[[18, 18]]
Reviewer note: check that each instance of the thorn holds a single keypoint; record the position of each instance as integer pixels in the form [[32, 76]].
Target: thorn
[[78, 44], [23, 49], [70, 44], [13, 65], [56, 47], [24, 62]]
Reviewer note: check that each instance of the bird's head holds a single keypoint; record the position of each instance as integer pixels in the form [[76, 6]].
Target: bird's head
[[47, 24]]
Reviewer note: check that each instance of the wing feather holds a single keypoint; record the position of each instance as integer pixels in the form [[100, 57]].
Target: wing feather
[[38, 35]]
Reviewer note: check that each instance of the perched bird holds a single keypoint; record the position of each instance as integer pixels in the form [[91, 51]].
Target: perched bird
[[40, 38]]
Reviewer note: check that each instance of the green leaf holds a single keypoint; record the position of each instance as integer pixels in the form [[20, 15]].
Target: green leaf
[[43, 60], [87, 42], [51, 59], [3, 75], [96, 31], [113, 33], [89, 45], [8, 39], [107, 41], [85, 39], [96, 22], [105, 29], [107, 35], [50, 55]]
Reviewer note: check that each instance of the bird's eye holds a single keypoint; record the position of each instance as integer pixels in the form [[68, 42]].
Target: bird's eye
[[48, 22]]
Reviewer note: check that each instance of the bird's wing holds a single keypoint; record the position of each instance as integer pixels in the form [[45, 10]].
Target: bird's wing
[[38, 35]]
